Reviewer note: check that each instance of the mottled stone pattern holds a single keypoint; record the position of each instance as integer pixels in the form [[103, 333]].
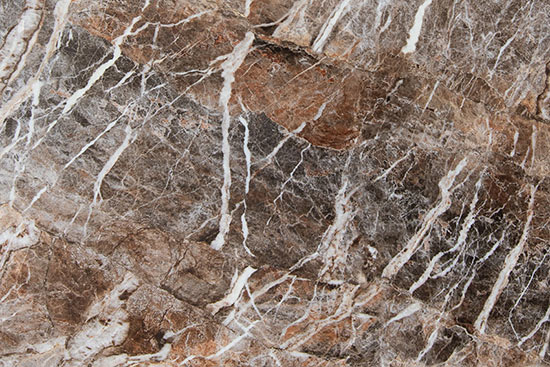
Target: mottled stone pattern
[[274, 183]]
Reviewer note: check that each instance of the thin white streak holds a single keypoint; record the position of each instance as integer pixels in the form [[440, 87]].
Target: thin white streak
[[320, 111], [332, 241], [60, 15], [230, 66], [493, 249], [121, 81], [408, 311], [36, 87], [161, 355], [247, 155], [386, 172], [257, 294], [246, 152], [533, 145], [516, 137], [431, 96], [106, 169], [502, 49], [379, 10], [16, 48], [523, 294], [522, 165], [244, 228], [274, 152], [304, 316], [233, 295], [430, 344], [19, 168], [117, 43], [350, 302], [298, 10], [280, 196], [87, 146], [468, 222], [412, 245], [112, 161], [329, 25], [98, 73], [36, 197], [234, 342], [334, 233], [509, 264], [541, 322]]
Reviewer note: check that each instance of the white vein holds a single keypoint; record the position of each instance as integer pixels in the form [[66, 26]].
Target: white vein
[[414, 32], [36, 87], [408, 311], [246, 152], [233, 295], [117, 43], [60, 15], [229, 67], [333, 236], [105, 131], [248, 158], [468, 222], [112, 161], [98, 73], [509, 264], [332, 245], [280, 196], [412, 245], [256, 294], [295, 15], [521, 297], [533, 145], [269, 158], [24, 235], [229, 346], [329, 25], [431, 96], [386, 172], [36, 197], [379, 11], [121, 81], [502, 49], [431, 341], [541, 322], [95, 336], [350, 302], [19, 42], [516, 137], [128, 139], [320, 111], [247, 5], [306, 314]]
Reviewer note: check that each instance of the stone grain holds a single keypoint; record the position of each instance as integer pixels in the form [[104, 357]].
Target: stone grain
[[274, 183]]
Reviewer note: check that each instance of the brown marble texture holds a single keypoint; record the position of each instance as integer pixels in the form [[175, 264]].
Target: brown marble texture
[[274, 183]]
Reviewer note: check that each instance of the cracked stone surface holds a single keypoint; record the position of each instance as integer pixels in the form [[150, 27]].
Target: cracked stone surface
[[274, 183]]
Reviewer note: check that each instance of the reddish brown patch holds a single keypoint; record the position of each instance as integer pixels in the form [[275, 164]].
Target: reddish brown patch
[[72, 286]]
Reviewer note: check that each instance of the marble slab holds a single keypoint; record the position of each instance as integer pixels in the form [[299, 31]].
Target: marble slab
[[274, 183]]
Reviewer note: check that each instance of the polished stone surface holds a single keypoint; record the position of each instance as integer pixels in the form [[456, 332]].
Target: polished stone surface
[[274, 183]]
